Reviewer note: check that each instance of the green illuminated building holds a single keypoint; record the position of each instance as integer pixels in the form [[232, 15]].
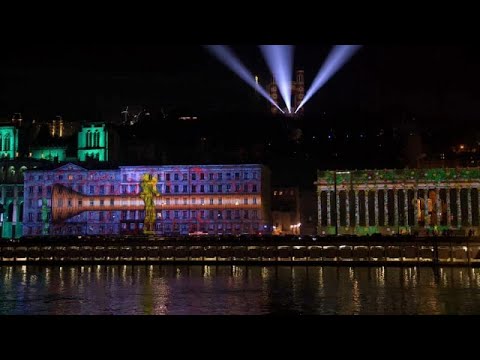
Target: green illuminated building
[[8, 142], [97, 142], [49, 153]]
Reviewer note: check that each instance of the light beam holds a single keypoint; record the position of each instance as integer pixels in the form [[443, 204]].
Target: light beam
[[279, 59], [225, 55], [339, 55]]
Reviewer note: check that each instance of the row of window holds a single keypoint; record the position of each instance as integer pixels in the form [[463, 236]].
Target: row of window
[[177, 189], [194, 176], [193, 214]]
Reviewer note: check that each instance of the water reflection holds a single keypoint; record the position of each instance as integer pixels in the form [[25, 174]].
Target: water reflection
[[169, 289]]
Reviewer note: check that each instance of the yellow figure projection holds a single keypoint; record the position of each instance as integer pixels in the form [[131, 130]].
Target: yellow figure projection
[[148, 194]]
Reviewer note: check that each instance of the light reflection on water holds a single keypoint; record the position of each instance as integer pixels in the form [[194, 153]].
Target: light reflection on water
[[172, 289]]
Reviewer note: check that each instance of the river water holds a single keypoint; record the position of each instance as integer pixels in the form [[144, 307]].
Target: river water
[[211, 290]]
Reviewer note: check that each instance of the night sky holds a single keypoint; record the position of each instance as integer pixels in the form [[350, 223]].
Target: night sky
[[92, 82]]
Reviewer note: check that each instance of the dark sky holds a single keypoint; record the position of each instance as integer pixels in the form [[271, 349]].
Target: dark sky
[[84, 81]]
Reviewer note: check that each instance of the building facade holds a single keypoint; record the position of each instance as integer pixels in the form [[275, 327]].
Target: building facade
[[168, 200], [399, 201]]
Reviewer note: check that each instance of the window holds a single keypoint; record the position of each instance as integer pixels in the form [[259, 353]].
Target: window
[[124, 189], [30, 203], [132, 189], [202, 201], [30, 216], [229, 214], [194, 176], [255, 200], [60, 177], [102, 189], [112, 189], [254, 214], [193, 201], [194, 188], [219, 176], [184, 177], [175, 201], [167, 177], [237, 187], [219, 214], [229, 188], [220, 188], [185, 188], [175, 189], [210, 188], [167, 214], [194, 214], [237, 176], [80, 203], [210, 214], [211, 201], [30, 189], [274, 193], [92, 189], [175, 177], [40, 190], [237, 214], [229, 176], [176, 214], [39, 216], [185, 214], [167, 201], [101, 216], [91, 202], [202, 214], [60, 203], [112, 202], [102, 202], [245, 214], [202, 176], [69, 203], [245, 201], [254, 188], [219, 201], [124, 177], [202, 188], [245, 176], [210, 176], [185, 201], [245, 187], [167, 189], [70, 177]]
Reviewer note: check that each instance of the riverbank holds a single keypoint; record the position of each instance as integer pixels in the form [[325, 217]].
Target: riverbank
[[455, 251]]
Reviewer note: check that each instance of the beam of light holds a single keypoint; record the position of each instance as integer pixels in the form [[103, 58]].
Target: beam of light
[[225, 55], [279, 59], [339, 55]]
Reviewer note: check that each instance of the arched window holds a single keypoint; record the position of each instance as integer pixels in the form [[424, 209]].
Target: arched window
[[97, 139], [89, 139], [6, 145]]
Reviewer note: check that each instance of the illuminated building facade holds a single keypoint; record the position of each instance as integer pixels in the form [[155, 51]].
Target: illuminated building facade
[[8, 141], [399, 201], [11, 195], [214, 199], [97, 142], [298, 93], [49, 153]]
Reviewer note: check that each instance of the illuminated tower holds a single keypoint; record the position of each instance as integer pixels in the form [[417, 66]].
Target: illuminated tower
[[298, 91], [96, 142], [8, 142], [56, 127], [273, 90]]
